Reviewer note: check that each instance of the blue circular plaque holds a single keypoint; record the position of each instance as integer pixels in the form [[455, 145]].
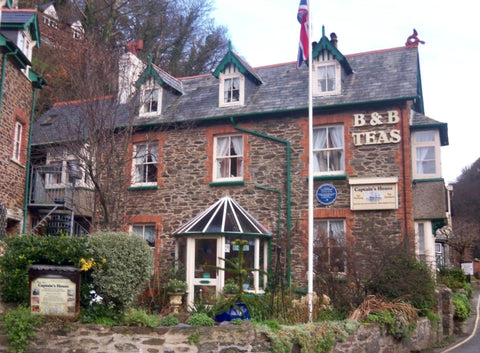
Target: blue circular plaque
[[326, 194]]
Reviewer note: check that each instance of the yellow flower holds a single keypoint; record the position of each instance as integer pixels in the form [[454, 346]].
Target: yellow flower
[[86, 264]]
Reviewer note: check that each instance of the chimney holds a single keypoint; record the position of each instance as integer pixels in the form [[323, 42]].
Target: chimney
[[134, 47], [333, 39]]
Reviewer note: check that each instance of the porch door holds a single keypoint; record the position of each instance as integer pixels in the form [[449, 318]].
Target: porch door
[[204, 282]]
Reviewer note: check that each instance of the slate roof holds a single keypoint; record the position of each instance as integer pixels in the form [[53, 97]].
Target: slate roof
[[387, 75], [21, 18], [420, 122]]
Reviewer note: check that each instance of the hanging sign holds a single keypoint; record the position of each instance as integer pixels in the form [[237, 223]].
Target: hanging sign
[[326, 194]]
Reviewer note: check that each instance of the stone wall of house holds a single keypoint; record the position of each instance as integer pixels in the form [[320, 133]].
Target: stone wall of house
[[185, 185], [16, 106]]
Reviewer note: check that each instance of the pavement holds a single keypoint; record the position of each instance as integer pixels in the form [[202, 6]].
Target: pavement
[[467, 329]]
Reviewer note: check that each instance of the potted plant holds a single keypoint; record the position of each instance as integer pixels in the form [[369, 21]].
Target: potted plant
[[176, 289], [230, 289]]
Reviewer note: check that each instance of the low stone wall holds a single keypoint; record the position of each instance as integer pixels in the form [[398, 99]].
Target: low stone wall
[[66, 337], [225, 338]]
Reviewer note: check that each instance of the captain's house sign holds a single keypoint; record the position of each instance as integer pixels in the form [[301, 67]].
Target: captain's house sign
[[373, 193]]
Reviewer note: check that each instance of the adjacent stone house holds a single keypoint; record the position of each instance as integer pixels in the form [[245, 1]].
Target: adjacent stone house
[[18, 83], [224, 156]]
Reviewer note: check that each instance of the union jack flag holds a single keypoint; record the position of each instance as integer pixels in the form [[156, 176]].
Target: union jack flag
[[303, 49]]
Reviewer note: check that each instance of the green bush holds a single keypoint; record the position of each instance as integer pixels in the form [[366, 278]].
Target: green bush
[[200, 319], [125, 264], [19, 327], [462, 306], [452, 277], [405, 276], [25, 250], [139, 317], [169, 321]]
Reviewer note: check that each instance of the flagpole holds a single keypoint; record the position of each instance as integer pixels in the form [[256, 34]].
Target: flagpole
[[310, 169]]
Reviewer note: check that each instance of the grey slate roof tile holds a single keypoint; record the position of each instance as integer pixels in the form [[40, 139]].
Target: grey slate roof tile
[[377, 76]]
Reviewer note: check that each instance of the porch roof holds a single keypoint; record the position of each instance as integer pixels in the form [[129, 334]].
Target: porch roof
[[225, 217]]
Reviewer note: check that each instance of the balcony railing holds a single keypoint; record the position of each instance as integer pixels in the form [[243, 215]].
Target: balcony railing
[[50, 185]]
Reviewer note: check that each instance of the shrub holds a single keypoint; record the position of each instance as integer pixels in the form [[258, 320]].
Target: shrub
[[462, 306], [406, 277], [452, 277], [19, 326], [139, 317], [25, 250], [200, 319], [169, 321], [126, 265]]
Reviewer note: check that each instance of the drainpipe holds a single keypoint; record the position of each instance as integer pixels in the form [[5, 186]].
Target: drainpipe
[[278, 218], [289, 222], [4, 65], [29, 147]]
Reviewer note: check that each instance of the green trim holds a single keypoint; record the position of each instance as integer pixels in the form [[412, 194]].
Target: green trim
[[288, 186], [146, 187], [149, 71], [231, 58], [428, 180], [442, 127], [330, 177], [325, 44], [31, 25], [226, 183]]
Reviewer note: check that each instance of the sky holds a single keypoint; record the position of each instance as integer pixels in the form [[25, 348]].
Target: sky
[[266, 32]]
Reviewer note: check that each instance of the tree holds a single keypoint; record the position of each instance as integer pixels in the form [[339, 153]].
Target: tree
[[466, 210], [97, 132]]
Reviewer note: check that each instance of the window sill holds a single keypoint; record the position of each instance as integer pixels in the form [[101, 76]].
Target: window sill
[[227, 183], [17, 162], [143, 187], [330, 177], [416, 180]]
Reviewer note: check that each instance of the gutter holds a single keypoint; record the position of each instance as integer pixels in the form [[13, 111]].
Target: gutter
[[29, 148], [288, 187]]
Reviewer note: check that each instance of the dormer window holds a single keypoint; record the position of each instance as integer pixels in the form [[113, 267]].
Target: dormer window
[[327, 78], [232, 87], [150, 99], [426, 154]]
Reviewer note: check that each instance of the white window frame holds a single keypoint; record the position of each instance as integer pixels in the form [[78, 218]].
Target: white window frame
[[141, 234], [329, 247], [65, 162], [17, 141], [416, 158], [150, 92], [329, 149], [226, 77], [228, 157], [149, 145], [318, 68]]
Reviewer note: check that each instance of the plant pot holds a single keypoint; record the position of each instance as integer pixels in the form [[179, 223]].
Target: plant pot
[[238, 310], [175, 301]]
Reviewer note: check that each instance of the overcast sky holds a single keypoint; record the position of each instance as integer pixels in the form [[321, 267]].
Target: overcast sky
[[266, 32]]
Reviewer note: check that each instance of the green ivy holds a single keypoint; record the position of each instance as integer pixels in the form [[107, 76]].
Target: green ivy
[[463, 309]]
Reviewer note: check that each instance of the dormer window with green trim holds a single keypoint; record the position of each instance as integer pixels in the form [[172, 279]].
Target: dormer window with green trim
[[150, 98], [327, 78], [232, 87]]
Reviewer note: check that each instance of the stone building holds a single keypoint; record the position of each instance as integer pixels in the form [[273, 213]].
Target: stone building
[[18, 36], [224, 156]]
